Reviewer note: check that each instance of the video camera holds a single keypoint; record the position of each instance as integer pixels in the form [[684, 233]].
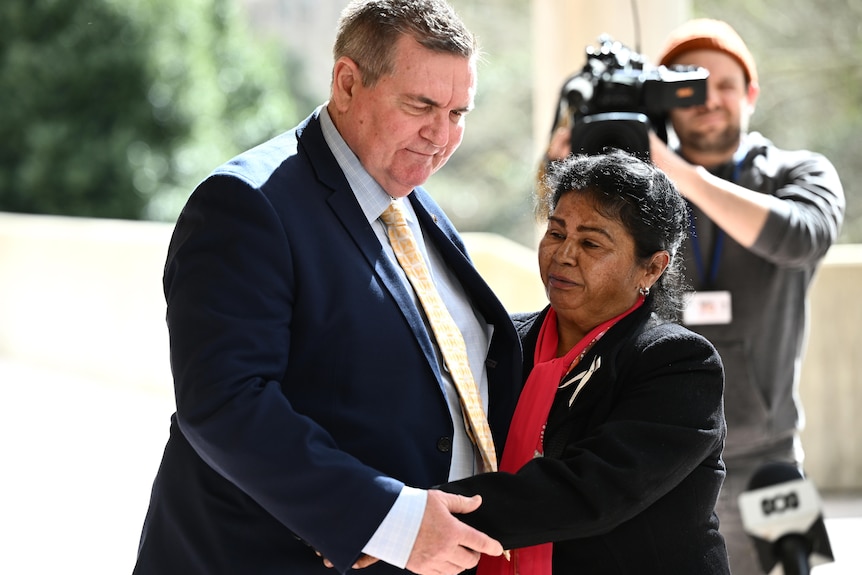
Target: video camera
[[618, 97]]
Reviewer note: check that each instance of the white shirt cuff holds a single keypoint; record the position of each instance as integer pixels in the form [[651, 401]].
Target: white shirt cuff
[[393, 541]]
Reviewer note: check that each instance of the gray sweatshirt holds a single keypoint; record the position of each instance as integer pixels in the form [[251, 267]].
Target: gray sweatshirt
[[763, 344]]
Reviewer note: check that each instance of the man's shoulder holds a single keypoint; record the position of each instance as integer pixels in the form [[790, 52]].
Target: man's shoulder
[[257, 164], [775, 158]]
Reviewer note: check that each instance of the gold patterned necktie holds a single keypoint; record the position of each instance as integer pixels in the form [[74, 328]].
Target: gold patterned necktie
[[446, 332]]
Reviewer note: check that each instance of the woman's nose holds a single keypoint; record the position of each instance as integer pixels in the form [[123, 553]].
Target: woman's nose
[[566, 252]]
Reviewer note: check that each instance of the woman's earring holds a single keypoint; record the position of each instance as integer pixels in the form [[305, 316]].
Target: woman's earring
[[643, 291]]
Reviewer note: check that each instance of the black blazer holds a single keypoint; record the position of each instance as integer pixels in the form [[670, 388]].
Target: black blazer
[[632, 470], [306, 385]]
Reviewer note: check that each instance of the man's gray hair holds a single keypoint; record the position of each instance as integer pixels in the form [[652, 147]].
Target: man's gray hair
[[368, 30]]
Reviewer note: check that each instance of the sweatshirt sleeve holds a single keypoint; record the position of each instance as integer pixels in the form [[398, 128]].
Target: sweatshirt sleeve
[[806, 216]]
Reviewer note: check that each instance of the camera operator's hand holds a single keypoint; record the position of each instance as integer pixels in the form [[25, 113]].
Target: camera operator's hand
[[560, 145]]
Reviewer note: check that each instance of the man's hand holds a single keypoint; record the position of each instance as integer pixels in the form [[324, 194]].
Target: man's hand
[[361, 563], [560, 145], [445, 545]]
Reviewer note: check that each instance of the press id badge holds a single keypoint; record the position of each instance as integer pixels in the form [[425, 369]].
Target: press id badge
[[707, 308]]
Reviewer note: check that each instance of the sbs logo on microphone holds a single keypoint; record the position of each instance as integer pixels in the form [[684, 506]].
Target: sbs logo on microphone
[[780, 503]]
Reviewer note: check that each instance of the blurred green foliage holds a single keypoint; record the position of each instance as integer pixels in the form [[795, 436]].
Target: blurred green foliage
[[117, 108]]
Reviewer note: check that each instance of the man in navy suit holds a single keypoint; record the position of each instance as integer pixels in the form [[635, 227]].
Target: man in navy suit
[[313, 410]]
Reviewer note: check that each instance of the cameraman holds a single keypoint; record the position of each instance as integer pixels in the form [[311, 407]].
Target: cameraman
[[763, 218]]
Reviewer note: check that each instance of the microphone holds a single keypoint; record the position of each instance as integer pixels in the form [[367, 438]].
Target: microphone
[[781, 511]]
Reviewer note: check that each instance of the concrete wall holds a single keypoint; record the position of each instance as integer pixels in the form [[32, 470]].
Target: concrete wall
[[84, 297], [831, 385]]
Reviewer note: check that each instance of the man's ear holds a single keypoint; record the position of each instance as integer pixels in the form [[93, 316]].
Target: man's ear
[[345, 79], [751, 96]]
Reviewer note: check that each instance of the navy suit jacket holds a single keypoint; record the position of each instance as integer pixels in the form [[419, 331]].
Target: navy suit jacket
[[306, 385]]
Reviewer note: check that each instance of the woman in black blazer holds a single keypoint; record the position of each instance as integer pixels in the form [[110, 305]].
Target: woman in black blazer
[[613, 459]]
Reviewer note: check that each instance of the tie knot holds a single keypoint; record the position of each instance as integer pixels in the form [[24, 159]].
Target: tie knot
[[393, 215]]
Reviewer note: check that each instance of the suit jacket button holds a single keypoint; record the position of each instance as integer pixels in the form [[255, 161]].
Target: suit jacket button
[[444, 444]]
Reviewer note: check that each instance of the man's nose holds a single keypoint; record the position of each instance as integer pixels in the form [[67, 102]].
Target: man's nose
[[436, 130], [712, 97]]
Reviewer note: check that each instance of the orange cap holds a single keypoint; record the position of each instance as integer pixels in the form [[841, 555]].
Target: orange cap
[[708, 34]]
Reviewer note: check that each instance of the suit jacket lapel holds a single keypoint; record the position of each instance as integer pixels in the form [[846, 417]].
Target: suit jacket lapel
[[440, 232], [343, 203]]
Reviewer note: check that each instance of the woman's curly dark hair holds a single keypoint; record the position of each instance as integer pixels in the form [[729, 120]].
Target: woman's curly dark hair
[[639, 196]]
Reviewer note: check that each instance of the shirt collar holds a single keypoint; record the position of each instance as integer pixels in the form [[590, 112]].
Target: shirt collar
[[372, 198]]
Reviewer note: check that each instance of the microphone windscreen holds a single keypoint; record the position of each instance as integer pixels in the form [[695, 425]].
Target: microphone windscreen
[[781, 511]]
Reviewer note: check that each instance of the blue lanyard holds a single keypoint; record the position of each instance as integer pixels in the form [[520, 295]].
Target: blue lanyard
[[709, 280], [698, 256]]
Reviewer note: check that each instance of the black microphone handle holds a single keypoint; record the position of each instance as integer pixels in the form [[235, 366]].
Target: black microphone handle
[[793, 551]]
